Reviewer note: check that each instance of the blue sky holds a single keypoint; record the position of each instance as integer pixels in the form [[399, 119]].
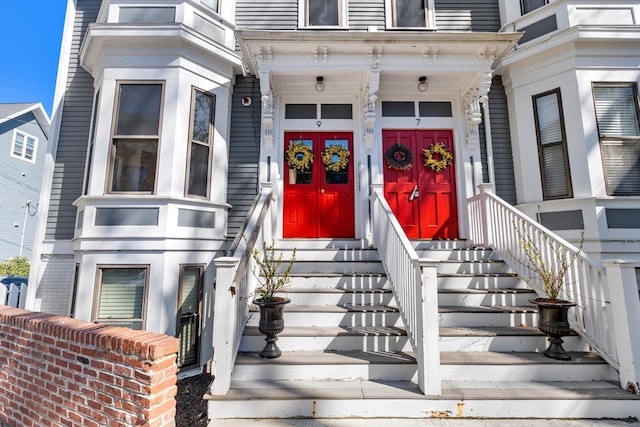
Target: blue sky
[[31, 32]]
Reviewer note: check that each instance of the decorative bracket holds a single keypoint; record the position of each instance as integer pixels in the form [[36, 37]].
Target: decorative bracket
[[264, 56], [321, 53], [473, 110], [375, 56], [430, 53], [267, 110], [370, 108]]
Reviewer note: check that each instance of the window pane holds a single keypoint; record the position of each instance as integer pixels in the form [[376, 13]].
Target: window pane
[[139, 109], [530, 5], [122, 296], [134, 167], [410, 13], [202, 117], [339, 172], [300, 111], [616, 113], [336, 111], [298, 173], [31, 144], [323, 12], [555, 176], [549, 125], [616, 110], [18, 144], [198, 170]]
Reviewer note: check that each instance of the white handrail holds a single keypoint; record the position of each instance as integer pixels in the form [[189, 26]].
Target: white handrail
[[234, 286], [496, 224], [414, 284]]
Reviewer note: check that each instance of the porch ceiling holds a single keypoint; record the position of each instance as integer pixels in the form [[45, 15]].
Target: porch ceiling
[[293, 59]]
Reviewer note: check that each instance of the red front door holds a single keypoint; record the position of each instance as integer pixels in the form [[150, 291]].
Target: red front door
[[318, 184], [423, 199]]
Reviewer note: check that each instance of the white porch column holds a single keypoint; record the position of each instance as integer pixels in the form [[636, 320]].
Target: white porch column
[[625, 307], [225, 308]]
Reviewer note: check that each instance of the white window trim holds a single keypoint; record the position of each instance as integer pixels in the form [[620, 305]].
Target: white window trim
[[98, 286], [430, 18], [343, 16], [22, 156]]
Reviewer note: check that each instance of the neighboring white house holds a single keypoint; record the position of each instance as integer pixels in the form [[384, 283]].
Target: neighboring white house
[[170, 113], [24, 132]]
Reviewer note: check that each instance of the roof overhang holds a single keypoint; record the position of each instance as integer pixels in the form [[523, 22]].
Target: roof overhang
[[38, 111], [451, 60]]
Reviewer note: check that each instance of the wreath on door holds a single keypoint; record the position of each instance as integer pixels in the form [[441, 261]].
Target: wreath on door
[[399, 157], [437, 157], [335, 158], [299, 156]]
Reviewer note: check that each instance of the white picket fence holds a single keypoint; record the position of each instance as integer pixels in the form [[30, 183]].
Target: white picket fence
[[15, 296]]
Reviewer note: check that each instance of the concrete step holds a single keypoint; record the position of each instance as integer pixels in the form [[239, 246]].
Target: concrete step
[[336, 366], [333, 315], [480, 281], [336, 338], [332, 266], [346, 281], [501, 339], [485, 297], [458, 254], [389, 399], [492, 366], [342, 297], [501, 316], [472, 267]]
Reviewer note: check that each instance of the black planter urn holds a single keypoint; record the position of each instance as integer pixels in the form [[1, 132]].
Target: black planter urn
[[271, 324], [553, 322]]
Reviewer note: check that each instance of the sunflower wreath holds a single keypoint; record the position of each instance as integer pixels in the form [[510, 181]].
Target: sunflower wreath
[[343, 158], [399, 157], [299, 156], [434, 152]]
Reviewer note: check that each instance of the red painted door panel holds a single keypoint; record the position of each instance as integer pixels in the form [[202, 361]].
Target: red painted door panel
[[423, 200], [319, 202]]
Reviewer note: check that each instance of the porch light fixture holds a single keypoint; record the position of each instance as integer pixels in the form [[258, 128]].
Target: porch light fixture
[[319, 84], [423, 85]]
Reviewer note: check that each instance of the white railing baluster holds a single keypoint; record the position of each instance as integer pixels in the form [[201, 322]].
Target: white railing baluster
[[235, 283], [587, 283], [414, 284]]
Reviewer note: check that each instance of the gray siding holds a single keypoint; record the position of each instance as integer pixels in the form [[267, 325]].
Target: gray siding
[[74, 132], [471, 15], [244, 151], [501, 142], [364, 13], [19, 183], [267, 14]]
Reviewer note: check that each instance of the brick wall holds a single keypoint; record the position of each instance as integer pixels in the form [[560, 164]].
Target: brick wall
[[58, 371]]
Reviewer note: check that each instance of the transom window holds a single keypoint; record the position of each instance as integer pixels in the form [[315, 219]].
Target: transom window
[[617, 115], [323, 13], [200, 144], [136, 135], [552, 146], [121, 296], [24, 146], [410, 13]]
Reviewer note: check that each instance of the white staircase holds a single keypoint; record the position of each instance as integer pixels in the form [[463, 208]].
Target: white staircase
[[346, 354]]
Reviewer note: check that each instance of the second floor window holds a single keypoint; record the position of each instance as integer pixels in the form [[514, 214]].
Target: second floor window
[[410, 13], [527, 6], [24, 146], [136, 135], [552, 146], [618, 121], [200, 143], [324, 13]]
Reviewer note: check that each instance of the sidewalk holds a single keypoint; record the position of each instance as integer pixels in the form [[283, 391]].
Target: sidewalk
[[389, 422]]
